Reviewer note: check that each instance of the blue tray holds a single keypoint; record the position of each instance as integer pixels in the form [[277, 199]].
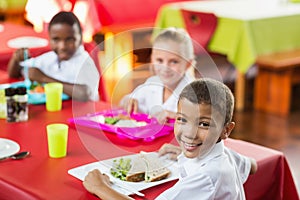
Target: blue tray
[[37, 98]]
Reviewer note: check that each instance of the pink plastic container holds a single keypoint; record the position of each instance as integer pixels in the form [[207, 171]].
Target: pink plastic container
[[149, 132]]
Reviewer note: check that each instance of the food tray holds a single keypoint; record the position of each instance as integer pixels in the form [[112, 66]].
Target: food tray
[[33, 98], [152, 130]]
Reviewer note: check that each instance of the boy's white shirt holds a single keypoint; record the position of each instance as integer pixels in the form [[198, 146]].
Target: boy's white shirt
[[150, 95], [220, 176], [79, 69]]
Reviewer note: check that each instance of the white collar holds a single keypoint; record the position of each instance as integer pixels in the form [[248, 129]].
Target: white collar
[[189, 165], [79, 51]]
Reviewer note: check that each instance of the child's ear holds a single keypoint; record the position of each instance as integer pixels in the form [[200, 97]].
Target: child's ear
[[227, 130]]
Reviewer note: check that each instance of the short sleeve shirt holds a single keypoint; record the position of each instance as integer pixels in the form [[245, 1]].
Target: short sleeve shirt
[[79, 69], [216, 176], [150, 95]]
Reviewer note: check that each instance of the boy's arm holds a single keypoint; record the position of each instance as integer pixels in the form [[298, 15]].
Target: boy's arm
[[253, 166], [98, 184], [14, 68], [76, 91]]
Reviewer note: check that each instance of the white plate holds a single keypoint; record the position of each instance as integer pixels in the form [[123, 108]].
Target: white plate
[[8, 147], [27, 42], [105, 165]]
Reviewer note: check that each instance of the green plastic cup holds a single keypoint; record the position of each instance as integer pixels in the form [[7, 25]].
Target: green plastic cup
[[53, 93], [57, 135]]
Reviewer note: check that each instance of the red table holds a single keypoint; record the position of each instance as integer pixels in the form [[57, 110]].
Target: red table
[[11, 31], [41, 177]]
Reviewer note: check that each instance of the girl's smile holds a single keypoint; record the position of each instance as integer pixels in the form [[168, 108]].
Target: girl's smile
[[168, 64]]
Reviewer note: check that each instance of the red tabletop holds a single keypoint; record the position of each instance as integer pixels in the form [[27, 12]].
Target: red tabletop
[[11, 31], [41, 177], [273, 179]]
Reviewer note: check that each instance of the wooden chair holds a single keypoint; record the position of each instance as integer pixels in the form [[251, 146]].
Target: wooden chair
[[277, 73], [93, 50], [200, 26]]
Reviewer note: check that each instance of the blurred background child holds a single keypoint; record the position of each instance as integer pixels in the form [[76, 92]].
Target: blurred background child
[[67, 63], [172, 55]]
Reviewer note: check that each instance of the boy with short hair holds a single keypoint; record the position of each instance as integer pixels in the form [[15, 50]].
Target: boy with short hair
[[67, 63], [208, 169]]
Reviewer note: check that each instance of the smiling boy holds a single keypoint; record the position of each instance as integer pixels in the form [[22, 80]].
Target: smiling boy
[[208, 169], [67, 62]]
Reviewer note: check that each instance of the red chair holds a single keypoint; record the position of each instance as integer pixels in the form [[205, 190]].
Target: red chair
[[93, 51], [200, 26]]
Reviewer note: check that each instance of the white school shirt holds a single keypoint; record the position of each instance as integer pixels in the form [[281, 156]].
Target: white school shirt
[[79, 69], [217, 176], [150, 95]]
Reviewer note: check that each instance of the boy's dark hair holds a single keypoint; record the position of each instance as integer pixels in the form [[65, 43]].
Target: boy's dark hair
[[64, 17], [213, 92]]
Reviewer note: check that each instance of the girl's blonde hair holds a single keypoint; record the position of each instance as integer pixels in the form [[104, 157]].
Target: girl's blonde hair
[[180, 36]]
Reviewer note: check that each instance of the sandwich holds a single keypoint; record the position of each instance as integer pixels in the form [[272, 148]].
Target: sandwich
[[147, 167], [137, 170], [155, 170]]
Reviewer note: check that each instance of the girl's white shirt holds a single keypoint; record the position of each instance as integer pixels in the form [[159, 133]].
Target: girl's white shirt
[[220, 176], [79, 69], [150, 95]]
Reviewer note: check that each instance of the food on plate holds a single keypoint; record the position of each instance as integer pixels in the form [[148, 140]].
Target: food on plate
[[155, 170], [130, 123], [110, 120], [137, 171], [144, 167], [119, 121], [120, 168], [36, 88]]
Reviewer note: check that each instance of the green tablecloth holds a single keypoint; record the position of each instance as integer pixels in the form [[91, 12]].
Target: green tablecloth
[[243, 40]]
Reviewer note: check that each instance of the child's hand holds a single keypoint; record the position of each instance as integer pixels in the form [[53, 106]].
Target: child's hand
[[19, 54], [36, 74], [170, 149], [130, 104], [95, 181], [164, 115]]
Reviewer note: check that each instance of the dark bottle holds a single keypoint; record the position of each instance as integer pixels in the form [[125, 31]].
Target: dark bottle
[[11, 106], [21, 102]]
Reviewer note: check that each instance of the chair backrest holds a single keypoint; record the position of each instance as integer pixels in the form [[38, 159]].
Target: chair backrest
[[200, 26], [93, 50]]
